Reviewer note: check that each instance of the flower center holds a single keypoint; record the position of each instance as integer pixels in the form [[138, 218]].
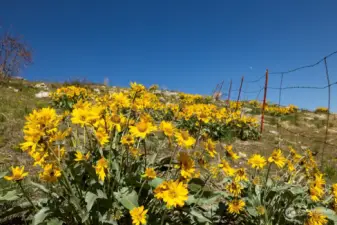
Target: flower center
[[142, 126], [116, 119], [184, 135]]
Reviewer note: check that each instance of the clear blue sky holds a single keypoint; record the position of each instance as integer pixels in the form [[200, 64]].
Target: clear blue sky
[[182, 45]]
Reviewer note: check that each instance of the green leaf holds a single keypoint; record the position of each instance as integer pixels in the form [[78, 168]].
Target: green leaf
[[2, 174], [297, 190], [10, 196], [54, 221], [155, 182], [101, 194], [194, 187], [40, 186], [128, 198], [200, 218], [16, 210], [90, 199], [40, 216], [252, 211], [328, 213]]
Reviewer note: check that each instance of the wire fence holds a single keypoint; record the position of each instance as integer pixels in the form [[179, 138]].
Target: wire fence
[[264, 88]]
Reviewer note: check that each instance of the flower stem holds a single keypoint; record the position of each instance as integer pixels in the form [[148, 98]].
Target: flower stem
[[26, 196], [163, 218], [145, 151], [268, 171]]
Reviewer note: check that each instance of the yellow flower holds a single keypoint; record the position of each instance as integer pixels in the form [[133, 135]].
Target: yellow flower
[[227, 169], [80, 157], [101, 167], [167, 128], [210, 147], [17, 174], [234, 188], [334, 190], [150, 173], [235, 206], [319, 180], [50, 173], [135, 152], [257, 161], [80, 116], [174, 193], [137, 88], [296, 157], [316, 188], [277, 158], [315, 193], [316, 218], [291, 166], [138, 215], [102, 136], [230, 153], [260, 210], [186, 165], [39, 158], [184, 139], [142, 129], [241, 175], [256, 180], [128, 140], [121, 100]]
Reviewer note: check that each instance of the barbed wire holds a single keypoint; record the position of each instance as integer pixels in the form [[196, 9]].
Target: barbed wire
[[303, 87], [307, 66], [257, 80]]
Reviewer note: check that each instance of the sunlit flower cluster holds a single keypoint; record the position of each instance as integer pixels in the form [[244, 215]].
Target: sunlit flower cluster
[[120, 156]]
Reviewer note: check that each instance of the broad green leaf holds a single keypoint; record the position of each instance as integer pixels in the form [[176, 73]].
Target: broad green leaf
[[90, 199], [2, 174], [54, 221], [40, 216], [269, 182], [190, 200], [252, 211], [194, 187], [128, 198], [297, 190], [10, 196], [155, 182], [40, 186], [200, 218], [101, 194], [16, 210]]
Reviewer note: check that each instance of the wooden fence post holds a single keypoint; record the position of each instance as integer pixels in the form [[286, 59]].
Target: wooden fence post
[[264, 101], [229, 92], [237, 102]]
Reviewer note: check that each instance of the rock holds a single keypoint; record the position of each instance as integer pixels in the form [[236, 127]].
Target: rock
[[304, 147], [162, 100], [14, 89], [274, 132], [246, 110], [169, 93], [42, 94], [17, 78], [242, 155], [97, 90], [41, 86]]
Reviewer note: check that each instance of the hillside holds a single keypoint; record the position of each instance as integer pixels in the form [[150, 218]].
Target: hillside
[[302, 130], [120, 146]]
